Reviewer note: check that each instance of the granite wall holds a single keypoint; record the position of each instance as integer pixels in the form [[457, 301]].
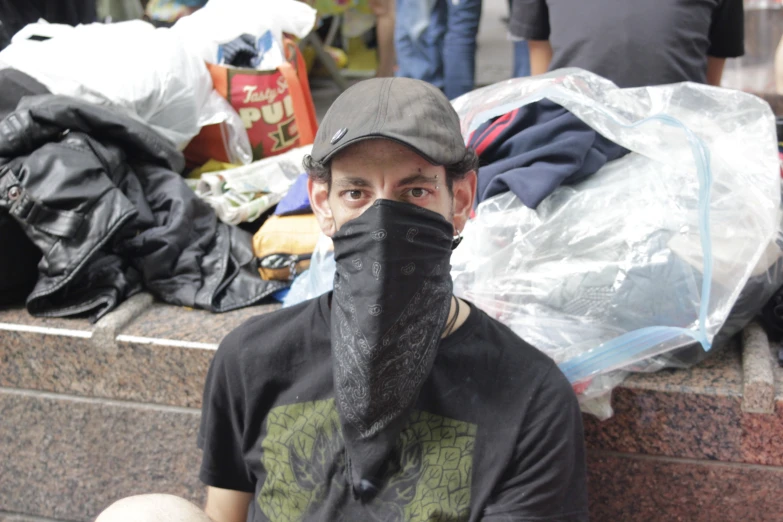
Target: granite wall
[[90, 413]]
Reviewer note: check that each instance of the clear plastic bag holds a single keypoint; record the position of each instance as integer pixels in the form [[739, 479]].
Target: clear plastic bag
[[316, 280], [649, 254]]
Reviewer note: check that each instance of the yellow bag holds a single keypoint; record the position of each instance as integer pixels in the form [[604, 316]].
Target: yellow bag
[[284, 245]]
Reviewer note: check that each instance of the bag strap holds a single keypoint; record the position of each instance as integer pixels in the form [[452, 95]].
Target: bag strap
[[299, 89]]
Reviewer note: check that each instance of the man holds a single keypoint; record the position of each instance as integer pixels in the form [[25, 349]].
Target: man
[[388, 398], [635, 42]]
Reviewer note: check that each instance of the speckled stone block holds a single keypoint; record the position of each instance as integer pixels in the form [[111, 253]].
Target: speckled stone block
[[20, 316], [144, 372], [694, 413], [758, 394], [720, 374], [158, 354], [11, 517], [68, 458], [162, 321], [673, 424], [625, 488]]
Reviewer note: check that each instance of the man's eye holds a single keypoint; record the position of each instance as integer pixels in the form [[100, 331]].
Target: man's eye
[[418, 192], [354, 194]]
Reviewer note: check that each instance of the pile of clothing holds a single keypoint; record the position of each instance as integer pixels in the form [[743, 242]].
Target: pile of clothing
[[101, 198], [97, 200], [620, 230]]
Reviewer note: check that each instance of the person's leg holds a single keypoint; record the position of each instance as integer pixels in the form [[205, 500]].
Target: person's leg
[[521, 59], [384, 30], [152, 508], [419, 55], [459, 46]]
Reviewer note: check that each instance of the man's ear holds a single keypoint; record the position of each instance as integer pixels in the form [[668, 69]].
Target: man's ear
[[464, 191], [319, 201]]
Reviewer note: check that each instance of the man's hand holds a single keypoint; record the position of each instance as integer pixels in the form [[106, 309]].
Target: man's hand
[[227, 505], [540, 56]]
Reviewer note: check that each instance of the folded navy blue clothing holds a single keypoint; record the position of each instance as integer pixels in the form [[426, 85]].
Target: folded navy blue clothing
[[536, 148], [296, 200]]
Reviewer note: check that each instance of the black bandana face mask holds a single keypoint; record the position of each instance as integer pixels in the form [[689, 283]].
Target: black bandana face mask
[[391, 300]]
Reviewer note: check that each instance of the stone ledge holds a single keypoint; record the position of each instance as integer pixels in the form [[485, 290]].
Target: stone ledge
[[15, 517], [758, 390], [651, 489], [67, 458]]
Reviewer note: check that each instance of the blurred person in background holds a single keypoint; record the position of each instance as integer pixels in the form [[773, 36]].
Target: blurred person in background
[[164, 13], [436, 42], [15, 14], [633, 42], [521, 63]]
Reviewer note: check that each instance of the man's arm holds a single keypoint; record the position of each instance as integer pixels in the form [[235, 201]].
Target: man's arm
[[715, 70], [727, 38], [540, 56], [223, 470], [529, 19], [547, 477], [227, 505]]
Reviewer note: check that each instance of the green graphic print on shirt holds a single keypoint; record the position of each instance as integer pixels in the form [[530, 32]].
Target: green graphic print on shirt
[[430, 483]]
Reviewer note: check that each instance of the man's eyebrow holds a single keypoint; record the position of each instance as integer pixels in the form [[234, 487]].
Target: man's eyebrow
[[417, 178], [352, 182]]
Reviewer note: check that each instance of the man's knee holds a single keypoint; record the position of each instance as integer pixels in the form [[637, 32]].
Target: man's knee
[[152, 508]]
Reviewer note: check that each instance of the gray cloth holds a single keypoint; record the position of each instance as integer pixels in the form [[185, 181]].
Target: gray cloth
[[634, 42]]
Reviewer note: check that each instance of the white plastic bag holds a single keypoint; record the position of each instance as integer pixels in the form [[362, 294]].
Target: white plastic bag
[[130, 65], [221, 21], [630, 263]]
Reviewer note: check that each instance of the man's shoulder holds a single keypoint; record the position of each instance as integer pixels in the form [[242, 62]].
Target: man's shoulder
[[518, 364], [504, 343], [267, 333]]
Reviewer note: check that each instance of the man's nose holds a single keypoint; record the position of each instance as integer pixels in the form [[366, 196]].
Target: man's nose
[[386, 193]]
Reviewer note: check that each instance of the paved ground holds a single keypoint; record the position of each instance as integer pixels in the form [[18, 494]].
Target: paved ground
[[493, 60]]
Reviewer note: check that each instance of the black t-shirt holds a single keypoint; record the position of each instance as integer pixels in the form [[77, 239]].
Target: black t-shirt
[[634, 42], [496, 434]]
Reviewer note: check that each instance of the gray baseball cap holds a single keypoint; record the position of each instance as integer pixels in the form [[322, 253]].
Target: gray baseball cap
[[411, 112]]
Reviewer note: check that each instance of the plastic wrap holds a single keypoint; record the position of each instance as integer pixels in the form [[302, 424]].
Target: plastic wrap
[[236, 143], [132, 66], [244, 193], [316, 280], [221, 21], [649, 254]]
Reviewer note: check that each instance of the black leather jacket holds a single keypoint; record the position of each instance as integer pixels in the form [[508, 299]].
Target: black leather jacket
[[99, 194]]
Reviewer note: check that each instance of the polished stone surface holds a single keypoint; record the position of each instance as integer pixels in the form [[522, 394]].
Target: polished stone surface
[[144, 372], [85, 423], [758, 392], [13, 517], [68, 458], [626, 488], [20, 316], [689, 426], [162, 321], [720, 374]]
